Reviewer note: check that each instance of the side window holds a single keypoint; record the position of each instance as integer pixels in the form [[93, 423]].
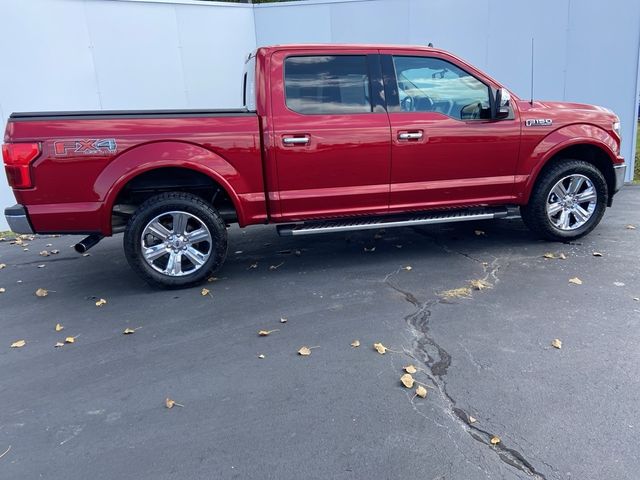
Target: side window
[[327, 84], [427, 84]]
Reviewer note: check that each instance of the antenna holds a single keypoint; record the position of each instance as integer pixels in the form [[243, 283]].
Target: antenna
[[532, 58]]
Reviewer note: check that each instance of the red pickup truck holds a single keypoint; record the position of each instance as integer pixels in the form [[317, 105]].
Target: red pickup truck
[[331, 138]]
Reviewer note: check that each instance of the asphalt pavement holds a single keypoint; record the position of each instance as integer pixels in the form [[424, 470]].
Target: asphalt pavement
[[95, 409]]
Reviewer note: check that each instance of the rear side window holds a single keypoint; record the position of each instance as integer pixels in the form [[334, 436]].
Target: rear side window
[[327, 84]]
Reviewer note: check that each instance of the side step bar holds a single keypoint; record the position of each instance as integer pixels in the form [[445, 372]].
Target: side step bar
[[369, 223]]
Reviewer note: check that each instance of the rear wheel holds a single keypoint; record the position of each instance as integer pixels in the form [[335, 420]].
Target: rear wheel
[[175, 240], [567, 202]]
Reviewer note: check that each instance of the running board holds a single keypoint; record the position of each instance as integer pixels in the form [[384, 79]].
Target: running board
[[370, 223]]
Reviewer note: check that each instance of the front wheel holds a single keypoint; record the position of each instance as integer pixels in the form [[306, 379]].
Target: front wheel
[[175, 240], [567, 202]]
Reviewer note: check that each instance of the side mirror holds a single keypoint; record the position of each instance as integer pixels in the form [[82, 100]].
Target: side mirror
[[503, 104]]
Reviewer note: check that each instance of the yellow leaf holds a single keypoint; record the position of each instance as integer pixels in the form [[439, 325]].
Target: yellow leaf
[[264, 333], [575, 281], [304, 351], [70, 340], [171, 403], [464, 292], [410, 369], [44, 253], [205, 292], [630, 227], [59, 327], [261, 356], [128, 331], [556, 343], [380, 348], [283, 320], [18, 344], [101, 302], [212, 279], [59, 344], [41, 292], [407, 380], [479, 284], [549, 255], [596, 254], [472, 419], [355, 343], [421, 391], [562, 256], [495, 440], [2, 265]]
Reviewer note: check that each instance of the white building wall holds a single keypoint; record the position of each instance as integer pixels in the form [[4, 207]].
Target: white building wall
[[150, 54]]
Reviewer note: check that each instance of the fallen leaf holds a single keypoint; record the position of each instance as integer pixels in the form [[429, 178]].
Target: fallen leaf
[[205, 292], [556, 343], [70, 340], [41, 292], [41, 266], [421, 391], [407, 380], [171, 403], [2, 290], [618, 284], [472, 419], [3, 265], [562, 256], [304, 351], [264, 333], [253, 266], [261, 356], [596, 254], [549, 255], [636, 299], [44, 253], [212, 279], [372, 249], [380, 348], [480, 284], [101, 302], [54, 252], [630, 227], [479, 232], [86, 254], [18, 344], [575, 281], [59, 344], [49, 245], [59, 327], [495, 440], [410, 369], [128, 331], [355, 343], [408, 268], [464, 292], [275, 267], [398, 246], [283, 320]]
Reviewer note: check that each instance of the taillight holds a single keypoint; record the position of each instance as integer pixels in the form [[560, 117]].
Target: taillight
[[17, 162]]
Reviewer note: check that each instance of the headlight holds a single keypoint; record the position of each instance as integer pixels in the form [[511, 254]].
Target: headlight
[[616, 128]]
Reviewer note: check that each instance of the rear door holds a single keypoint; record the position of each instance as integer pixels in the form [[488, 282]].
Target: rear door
[[447, 151], [330, 134]]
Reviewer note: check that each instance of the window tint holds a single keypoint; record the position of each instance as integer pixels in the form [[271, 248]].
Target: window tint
[[433, 85], [327, 84]]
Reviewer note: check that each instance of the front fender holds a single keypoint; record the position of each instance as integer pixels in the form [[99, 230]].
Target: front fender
[[558, 140], [154, 155]]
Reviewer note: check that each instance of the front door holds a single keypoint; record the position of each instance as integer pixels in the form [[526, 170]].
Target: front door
[[446, 149], [330, 134]]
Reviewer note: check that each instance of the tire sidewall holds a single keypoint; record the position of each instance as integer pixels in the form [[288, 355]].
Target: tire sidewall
[[175, 202]]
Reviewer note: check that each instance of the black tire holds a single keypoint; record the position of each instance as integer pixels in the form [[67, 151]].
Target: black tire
[[192, 205], [535, 215]]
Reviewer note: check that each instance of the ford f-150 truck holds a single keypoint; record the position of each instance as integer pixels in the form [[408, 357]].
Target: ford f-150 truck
[[331, 138]]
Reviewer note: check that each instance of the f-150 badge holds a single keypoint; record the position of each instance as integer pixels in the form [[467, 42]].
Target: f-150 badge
[[539, 122], [89, 146]]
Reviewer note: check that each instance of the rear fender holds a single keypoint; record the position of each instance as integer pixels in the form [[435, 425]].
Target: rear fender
[[151, 156]]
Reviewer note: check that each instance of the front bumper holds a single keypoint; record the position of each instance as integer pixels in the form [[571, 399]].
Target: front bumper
[[18, 219], [620, 171]]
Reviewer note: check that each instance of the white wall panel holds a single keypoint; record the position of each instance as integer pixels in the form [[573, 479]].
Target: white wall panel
[[151, 54]]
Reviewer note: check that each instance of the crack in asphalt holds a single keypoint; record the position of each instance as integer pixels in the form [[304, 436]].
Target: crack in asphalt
[[439, 362]]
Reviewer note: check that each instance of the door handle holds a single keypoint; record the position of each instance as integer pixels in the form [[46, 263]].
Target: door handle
[[296, 140], [410, 136]]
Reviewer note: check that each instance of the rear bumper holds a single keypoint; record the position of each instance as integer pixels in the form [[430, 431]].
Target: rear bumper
[[18, 219], [620, 171]]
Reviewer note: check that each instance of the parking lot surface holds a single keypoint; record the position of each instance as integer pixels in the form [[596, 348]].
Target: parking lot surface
[[95, 409]]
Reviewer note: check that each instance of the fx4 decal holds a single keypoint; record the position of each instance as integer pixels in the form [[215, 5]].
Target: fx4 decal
[[539, 122], [88, 146]]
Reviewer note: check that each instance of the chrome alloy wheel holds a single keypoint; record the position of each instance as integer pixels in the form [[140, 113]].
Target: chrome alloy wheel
[[571, 202], [176, 243]]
